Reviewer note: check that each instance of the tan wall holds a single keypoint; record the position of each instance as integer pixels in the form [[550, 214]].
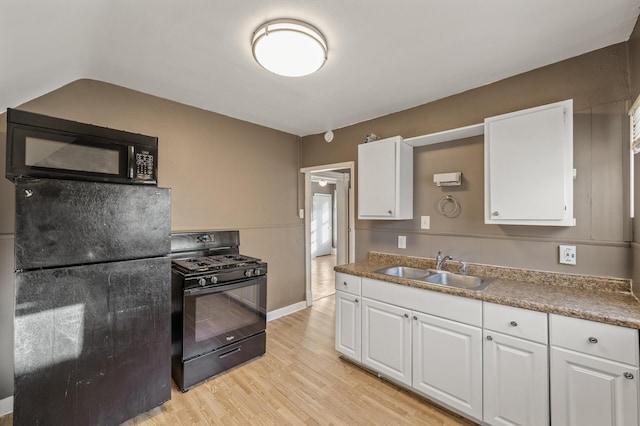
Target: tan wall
[[224, 174], [634, 82], [597, 83], [634, 61]]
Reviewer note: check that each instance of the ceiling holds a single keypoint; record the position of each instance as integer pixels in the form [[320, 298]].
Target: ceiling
[[384, 56]]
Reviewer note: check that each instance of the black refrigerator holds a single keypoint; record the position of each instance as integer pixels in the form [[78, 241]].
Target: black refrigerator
[[92, 302]]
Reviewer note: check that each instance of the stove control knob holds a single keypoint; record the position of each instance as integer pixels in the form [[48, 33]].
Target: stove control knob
[[202, 282], [257, 271], [214, 279], [248, 272]]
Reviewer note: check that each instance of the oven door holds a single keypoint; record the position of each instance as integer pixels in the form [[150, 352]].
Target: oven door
[[216, 316]]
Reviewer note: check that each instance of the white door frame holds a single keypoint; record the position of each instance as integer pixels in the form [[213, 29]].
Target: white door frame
[[308, 200]]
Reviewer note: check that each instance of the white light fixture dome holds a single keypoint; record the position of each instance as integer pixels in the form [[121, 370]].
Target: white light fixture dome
[[289, 47]]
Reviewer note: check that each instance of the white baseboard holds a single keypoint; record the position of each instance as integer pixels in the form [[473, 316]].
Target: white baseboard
[[6, 406], [287, 310]]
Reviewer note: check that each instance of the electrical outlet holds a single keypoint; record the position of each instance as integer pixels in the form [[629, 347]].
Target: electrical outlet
[[402, 241], [568, 255], [425, 222]]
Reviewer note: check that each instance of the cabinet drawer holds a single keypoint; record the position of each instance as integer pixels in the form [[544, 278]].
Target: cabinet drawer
[[602, 340], [348, 283], [516, 322]]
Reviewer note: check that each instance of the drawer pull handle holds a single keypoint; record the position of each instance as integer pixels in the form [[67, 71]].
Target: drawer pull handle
[[345, 283], [513, 324], [593, 340], [628, 375], [489, 338]]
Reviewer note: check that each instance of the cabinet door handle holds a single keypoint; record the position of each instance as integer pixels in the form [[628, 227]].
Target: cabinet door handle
[[345, 283], [390, 212], [415, 318], [513, 324], [357, 300], [489, 338], [495, 214], [628, 375], [593, 340], [406, 315]]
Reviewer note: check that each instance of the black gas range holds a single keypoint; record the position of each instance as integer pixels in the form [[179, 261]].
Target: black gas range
[[219, 301]]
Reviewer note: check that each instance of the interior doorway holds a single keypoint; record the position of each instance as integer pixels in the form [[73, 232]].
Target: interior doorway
[[329, 221], [322, 242]]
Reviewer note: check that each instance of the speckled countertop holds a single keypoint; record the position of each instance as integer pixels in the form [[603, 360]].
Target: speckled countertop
[[607, 300]]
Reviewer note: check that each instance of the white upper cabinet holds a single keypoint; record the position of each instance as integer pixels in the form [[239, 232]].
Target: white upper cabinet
[[529, 173], [385, 179]]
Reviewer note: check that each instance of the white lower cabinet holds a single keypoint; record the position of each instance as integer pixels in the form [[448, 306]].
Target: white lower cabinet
[[496, 364], [516, 388], [348, 324], [447, 362], [594, 373], [592, 391], [386, 340], [516, 366]]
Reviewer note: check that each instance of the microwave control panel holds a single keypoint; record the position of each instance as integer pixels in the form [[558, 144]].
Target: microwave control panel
[[144, 165]]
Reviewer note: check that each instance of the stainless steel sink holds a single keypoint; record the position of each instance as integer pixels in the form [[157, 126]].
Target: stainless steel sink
[[404, 272], [456, 280], [435, 276]]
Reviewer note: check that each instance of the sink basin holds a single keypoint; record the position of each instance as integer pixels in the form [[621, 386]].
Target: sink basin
[[435, 276], [405, 272], [456, 280]]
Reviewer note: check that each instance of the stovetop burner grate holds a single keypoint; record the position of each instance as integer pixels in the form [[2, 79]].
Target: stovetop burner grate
[[216, 262]]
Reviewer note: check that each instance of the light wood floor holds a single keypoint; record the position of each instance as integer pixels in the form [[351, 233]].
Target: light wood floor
[[300, 381], [322, 276]]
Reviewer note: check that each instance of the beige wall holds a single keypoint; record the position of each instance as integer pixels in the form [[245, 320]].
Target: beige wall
[[634, 83], [224, 174], [597, 82]]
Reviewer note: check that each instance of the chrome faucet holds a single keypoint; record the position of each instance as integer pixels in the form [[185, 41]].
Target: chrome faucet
[[440, 261]]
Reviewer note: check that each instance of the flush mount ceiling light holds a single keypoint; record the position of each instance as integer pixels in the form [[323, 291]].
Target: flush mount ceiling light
[[289, 47]]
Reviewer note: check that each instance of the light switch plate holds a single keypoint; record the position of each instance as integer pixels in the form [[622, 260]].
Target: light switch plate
[[568, 255], [402, 241], [425, 222]]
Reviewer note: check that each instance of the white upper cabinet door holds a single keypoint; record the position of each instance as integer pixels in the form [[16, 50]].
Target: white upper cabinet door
[[529, 166], [385, 180]]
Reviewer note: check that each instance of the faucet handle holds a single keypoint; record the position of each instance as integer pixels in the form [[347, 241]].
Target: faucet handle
[[464, 268]]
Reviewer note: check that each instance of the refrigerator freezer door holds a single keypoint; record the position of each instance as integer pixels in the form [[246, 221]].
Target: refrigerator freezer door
[[92, 343], [62, 222]]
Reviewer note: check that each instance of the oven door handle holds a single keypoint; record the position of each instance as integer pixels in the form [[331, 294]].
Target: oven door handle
[[218, 288]]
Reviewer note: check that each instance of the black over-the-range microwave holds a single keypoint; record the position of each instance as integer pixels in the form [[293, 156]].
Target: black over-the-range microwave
[[39, 146]]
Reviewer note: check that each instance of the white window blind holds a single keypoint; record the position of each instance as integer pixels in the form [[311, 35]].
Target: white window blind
[[635, 126]]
